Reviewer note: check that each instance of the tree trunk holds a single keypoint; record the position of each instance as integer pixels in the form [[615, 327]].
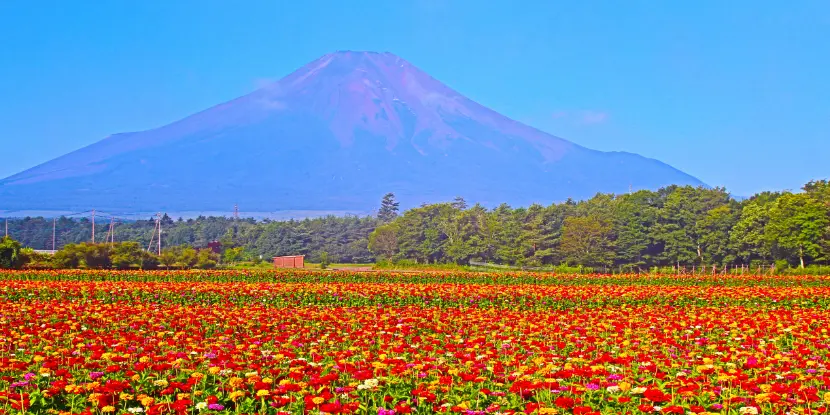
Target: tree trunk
[[801, 256]]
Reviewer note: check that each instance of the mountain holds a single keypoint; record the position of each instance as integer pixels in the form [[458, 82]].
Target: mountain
[[334, 135]]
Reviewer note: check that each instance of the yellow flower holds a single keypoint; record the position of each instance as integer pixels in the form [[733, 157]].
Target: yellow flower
[[236, 395], [236, 382], [196, 375], [262, 392], [214, 370], [125, 396], [147, 401], [317, 400], [827, 398], [547, 411], [108, 408], [624, 386]]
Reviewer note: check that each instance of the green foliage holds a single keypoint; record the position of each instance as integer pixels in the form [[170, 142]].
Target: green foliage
[[674, 227], [96, 256], [169, 256], [383, 241], [344, 238], [70, 256], [797, 227], [324, 260], [10, 256], [35, 260], [206, 259], [127, 255], [388, 208], [149, 261], [587, 241], [232, 255], [187, 257]]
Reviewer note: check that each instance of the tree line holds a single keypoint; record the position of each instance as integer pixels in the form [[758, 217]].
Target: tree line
[[341, 239], [676, 226]]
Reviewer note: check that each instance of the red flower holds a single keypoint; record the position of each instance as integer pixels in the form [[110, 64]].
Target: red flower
[[583, 410], [564, 402], [655, 395]]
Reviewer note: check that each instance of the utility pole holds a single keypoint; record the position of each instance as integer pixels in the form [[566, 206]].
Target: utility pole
[[109, 239], [54, 223], [93, 225], [159, 219], [235, 212], [7, 227], [152, 236], [112, 231]]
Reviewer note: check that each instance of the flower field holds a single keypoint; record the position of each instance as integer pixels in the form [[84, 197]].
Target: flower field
[[206, 342]]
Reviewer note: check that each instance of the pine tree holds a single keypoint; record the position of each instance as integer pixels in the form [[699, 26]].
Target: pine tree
[[388, 208]]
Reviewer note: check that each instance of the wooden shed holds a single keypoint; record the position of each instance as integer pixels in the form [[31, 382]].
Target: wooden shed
[[293, 261]]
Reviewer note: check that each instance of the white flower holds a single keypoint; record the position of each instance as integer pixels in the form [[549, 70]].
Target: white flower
[[201, 405], [748, 410], [371, 383], [613, 389], [135, 410]]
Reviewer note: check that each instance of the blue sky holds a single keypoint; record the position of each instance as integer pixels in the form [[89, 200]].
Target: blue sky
[[733, 92]]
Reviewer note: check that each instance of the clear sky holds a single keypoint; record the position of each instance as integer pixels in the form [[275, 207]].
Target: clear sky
[[734, 92]]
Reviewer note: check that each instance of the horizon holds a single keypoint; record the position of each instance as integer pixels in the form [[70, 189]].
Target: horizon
[[729, 137]]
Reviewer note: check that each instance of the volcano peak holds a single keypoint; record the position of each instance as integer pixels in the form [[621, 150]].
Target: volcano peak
[[336, 134]]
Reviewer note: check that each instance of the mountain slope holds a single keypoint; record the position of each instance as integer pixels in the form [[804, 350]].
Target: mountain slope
[[334, 135]]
